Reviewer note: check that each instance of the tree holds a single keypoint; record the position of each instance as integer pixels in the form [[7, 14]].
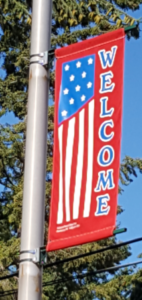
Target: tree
[[72, 21]]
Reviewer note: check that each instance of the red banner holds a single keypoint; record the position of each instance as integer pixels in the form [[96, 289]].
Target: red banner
[[87, 136]]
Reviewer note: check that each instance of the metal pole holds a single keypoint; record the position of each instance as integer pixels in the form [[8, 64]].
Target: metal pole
[[30, 274]]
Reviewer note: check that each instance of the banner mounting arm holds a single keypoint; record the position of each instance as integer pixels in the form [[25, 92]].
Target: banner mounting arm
[[128, 28]]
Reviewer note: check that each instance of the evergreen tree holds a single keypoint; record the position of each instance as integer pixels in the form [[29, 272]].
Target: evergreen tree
[[72, 21]]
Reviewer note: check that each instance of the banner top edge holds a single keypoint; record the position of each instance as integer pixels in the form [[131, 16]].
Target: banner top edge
[[89, 43]]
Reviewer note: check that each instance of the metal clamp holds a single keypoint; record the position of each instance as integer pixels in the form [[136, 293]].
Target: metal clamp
[[46, 58], [43, 58], [39, 256]]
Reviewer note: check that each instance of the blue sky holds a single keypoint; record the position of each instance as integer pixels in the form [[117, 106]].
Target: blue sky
[[131, 199]]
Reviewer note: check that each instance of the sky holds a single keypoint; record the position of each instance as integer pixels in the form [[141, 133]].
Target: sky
[[131, 199]]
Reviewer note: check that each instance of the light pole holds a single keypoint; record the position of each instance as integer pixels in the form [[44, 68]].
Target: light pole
[[30, 274]]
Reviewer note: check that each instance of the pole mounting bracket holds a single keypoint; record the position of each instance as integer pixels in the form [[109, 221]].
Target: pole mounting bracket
[[39, 256], [45, 59]]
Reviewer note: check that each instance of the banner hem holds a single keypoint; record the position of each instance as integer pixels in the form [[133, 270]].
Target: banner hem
[[80, 239]]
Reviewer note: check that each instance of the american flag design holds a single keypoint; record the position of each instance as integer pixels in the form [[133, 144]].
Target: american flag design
[[87, 120], [77, 89]]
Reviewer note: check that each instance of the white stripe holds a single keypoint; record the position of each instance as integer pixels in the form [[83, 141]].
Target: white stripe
[[60, 205], [90, 161], [78, 181], [68, 163]]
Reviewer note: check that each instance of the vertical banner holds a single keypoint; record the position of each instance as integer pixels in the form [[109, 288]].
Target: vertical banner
[[87, 136]]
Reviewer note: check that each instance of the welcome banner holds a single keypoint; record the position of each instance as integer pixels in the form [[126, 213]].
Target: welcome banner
[[87, 136]]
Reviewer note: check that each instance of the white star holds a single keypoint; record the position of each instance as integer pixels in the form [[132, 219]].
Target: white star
[[89, 84], [78, 64], [83, 97], [83, 74], [72, 78], [78, 88], [64, 113], [65, 91], [67, 67], [90, 61], [71, 101]]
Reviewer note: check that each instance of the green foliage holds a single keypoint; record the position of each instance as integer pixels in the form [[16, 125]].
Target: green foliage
[[72, 21]]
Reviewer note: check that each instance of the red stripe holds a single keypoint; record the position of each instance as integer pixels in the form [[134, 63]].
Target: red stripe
[[74, 164]]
